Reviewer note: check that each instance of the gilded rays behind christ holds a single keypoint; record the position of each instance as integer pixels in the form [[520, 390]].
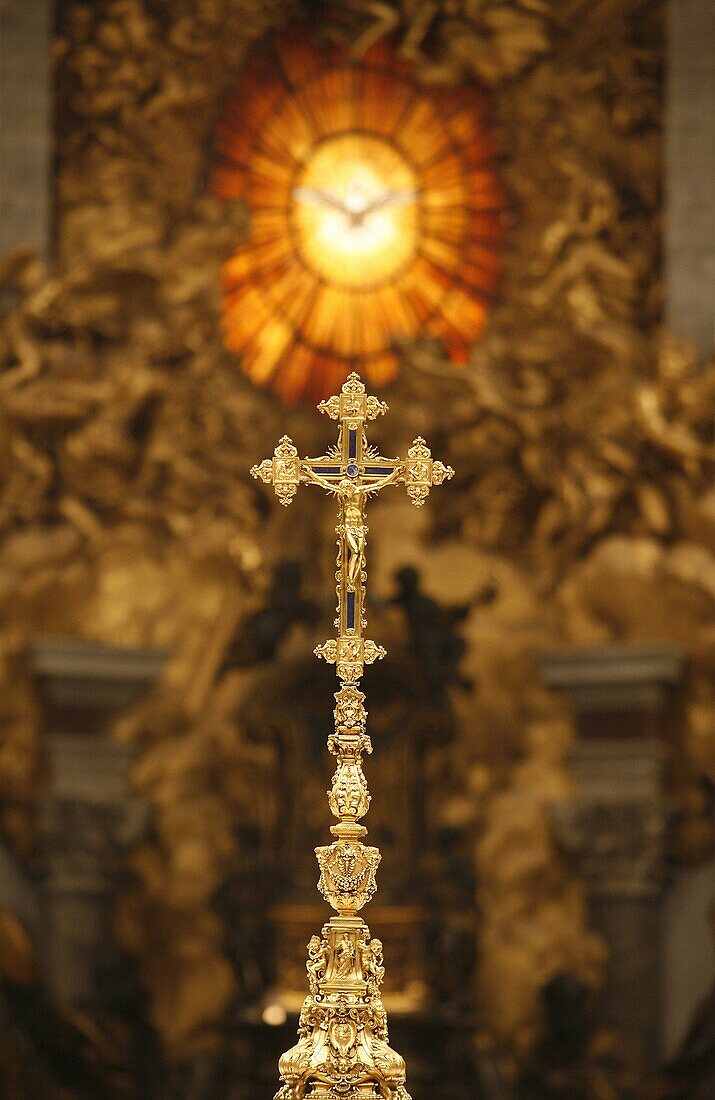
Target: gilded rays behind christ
[[375, 216]]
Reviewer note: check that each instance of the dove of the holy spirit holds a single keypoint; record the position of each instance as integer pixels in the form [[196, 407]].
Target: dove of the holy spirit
[[356, 205]]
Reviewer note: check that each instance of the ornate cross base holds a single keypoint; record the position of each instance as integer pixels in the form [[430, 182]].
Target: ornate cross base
[[343, 1051]]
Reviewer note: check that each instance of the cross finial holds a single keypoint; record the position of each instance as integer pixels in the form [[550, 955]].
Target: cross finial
[[353, 401], [352, 470]]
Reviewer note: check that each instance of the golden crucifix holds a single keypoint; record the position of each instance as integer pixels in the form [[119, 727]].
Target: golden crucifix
[[343, 1052]]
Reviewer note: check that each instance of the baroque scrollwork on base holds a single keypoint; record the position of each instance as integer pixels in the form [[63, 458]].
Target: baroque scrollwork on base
[[343, 1047]]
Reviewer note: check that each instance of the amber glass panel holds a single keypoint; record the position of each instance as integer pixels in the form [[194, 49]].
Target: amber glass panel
[[331, 103], [375, 216]]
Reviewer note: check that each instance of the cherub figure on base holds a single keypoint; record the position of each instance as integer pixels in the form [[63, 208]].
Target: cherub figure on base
[[317, 964]]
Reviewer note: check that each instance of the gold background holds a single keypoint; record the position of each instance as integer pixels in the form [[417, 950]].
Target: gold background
[[581, 435]]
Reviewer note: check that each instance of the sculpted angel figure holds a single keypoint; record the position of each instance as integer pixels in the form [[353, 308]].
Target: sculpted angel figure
[[372, 965], [317, 964], [352, 500]]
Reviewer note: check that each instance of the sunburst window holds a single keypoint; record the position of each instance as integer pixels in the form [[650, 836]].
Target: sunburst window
[[375, 216]]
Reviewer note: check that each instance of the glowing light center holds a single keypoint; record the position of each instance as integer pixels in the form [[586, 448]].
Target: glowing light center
[[355, 211], [355, 200]]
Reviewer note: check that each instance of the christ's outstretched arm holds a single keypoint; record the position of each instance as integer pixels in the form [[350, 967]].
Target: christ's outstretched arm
[[388, 479], [312, 478]]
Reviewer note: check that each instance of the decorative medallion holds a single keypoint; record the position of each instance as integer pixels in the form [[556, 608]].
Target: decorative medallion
[[347, 874], [350, 708], [375, 215], [350, 655]]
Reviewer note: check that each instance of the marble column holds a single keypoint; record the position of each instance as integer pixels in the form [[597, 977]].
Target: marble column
[[89, 816], [690, 171], [26, 143], [626, 703], [689, 255]]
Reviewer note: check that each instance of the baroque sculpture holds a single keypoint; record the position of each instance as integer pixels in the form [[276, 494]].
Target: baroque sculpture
[[107, 458], [343, 1051]]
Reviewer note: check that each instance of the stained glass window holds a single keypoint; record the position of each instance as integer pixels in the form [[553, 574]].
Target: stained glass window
[[375, 216]]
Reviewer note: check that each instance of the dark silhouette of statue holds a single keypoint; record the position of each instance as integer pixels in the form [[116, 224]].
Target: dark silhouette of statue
[[49, 1051], [434, 639], [573, 1060], [262, 633]]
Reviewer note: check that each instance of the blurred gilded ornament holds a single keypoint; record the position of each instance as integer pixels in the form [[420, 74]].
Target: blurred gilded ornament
[[556, 450]]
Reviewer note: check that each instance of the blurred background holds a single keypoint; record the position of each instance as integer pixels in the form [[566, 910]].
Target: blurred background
[[500, 212]]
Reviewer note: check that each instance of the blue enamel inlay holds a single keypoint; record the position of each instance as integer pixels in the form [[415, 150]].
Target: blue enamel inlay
[[330, 471], [379, 470], [351, 611], [352, 470], [352, 443]]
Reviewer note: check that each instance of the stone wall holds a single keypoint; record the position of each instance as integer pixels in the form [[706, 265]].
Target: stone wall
[[690, 172], [25, 124]]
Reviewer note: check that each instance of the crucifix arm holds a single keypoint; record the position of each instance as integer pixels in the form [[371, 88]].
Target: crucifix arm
[[309, 475], [389, 479]]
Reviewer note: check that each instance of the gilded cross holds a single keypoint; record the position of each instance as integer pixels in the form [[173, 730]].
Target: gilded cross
[[352, 471]]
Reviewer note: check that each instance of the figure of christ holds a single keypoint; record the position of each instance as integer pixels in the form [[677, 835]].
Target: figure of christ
[[352, 502]]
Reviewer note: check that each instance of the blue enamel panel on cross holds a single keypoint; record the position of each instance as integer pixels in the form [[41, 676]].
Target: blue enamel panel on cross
[[350, 611]]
